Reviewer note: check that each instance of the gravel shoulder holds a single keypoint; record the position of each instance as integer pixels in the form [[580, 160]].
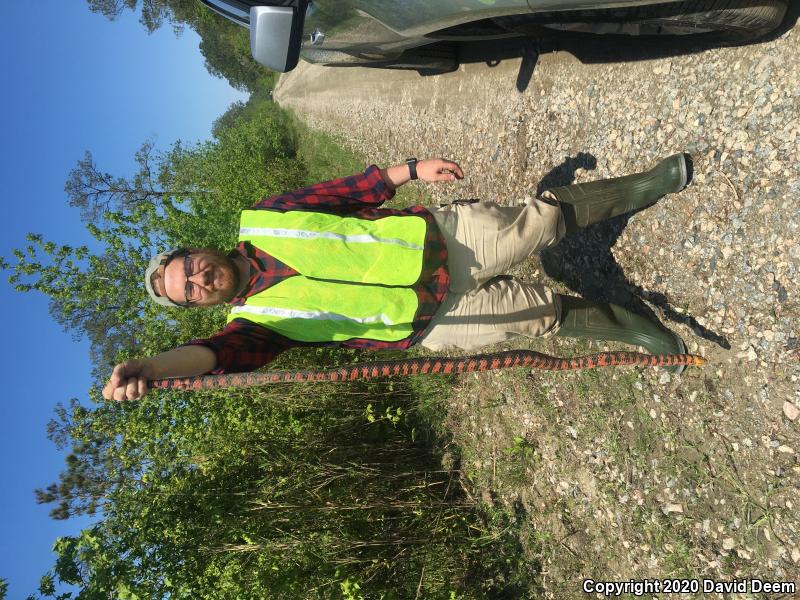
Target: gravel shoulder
[[626, 474]]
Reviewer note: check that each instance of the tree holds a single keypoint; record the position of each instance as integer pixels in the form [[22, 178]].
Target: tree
[[153, 12], [258, 101], [95, 192], [235, 112], [226, 49], [225, 45], [189, 195]]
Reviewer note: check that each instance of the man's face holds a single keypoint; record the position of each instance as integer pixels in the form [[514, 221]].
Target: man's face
[[213, 278]]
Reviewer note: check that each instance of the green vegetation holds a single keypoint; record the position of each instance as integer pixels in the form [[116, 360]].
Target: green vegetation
[[309, 490]]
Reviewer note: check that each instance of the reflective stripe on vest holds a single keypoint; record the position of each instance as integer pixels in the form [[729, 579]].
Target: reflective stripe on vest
[[368, 268], [386, 251], [250, 232]]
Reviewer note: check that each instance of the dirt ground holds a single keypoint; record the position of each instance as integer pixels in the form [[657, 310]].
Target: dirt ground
[[626, 474]]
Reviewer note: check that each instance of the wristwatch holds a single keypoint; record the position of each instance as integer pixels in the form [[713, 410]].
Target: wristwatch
[[412, 167]]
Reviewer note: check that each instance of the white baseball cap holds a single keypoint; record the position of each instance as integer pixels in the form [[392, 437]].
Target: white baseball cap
[[155, 264]]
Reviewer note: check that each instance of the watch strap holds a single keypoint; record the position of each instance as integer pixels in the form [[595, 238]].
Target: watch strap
[[412, 168]]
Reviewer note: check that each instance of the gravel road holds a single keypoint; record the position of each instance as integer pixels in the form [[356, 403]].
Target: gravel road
[[719, 262]]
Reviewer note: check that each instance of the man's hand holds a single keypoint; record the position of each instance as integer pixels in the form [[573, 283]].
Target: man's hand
[[438, 169], [432, 169], [128, 380]]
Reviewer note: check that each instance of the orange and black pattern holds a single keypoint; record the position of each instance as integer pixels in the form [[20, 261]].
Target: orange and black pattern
[[422, 366]]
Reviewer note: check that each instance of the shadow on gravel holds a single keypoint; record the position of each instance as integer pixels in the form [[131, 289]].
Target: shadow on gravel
[[598, 49], [584, 262]]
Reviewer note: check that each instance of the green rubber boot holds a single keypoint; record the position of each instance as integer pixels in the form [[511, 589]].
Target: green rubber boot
[[602, 321], [586, 203]]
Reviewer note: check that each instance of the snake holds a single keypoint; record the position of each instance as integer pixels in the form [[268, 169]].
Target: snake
[[429, 365]]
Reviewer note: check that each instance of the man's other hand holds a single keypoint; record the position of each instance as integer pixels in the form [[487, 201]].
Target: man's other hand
[[128, 380], [438, 169]]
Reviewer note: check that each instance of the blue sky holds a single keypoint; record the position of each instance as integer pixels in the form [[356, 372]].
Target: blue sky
[[72, 81]]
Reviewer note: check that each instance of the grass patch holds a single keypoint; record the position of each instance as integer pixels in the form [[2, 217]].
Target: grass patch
[[324, 157], [327, 157]]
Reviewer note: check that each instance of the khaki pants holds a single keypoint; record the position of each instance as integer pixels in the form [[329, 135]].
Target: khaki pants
[[484, 306]]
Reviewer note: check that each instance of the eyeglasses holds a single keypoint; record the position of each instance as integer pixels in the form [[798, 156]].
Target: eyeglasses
[[190, 290]]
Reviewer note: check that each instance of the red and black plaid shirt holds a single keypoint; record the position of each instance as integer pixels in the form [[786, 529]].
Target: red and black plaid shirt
[[245, 346]]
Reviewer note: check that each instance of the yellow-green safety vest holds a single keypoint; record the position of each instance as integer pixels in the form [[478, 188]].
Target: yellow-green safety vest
[[356, 276]]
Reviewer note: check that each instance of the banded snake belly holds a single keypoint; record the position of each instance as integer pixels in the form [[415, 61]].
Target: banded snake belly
[[425, 365]]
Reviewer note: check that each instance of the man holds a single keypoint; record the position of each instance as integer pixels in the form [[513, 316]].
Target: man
[[324, 265]]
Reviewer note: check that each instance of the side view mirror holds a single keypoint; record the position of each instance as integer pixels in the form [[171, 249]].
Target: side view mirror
[[275, 36]]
